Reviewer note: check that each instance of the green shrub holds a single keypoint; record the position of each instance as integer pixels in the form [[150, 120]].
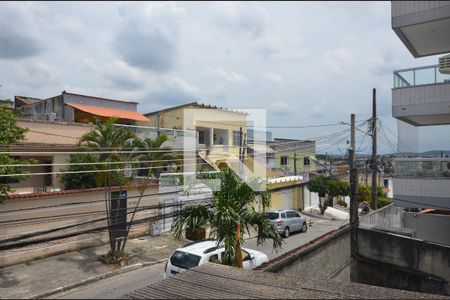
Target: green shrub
[[383, 201], [80, 180], [342, 203]]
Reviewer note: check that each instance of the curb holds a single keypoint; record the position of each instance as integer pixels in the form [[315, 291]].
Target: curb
[[96, 278], [316, 216]]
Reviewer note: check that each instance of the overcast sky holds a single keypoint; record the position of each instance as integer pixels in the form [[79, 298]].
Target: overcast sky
[[306, 63]]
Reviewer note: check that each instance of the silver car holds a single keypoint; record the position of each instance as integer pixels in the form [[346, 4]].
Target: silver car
[[287, 221]]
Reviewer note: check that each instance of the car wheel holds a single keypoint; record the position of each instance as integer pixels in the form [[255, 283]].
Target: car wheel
[[304, 227], [286, 232]]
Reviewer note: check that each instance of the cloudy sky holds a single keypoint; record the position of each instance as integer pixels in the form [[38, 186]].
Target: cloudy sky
[[306, 63]]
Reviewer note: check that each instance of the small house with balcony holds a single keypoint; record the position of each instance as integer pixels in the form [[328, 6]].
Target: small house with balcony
[[219, 131]]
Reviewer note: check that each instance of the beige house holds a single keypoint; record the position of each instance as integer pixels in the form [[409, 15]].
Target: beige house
[[218, 130]]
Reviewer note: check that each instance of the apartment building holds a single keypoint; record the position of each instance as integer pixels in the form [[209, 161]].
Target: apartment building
[[421, 97]]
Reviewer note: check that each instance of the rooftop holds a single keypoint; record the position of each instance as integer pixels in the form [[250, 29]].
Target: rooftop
[[109, 112], [214, 281], [201, 105]]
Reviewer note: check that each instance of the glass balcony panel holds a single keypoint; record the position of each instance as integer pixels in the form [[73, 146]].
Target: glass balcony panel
[[423, 168]]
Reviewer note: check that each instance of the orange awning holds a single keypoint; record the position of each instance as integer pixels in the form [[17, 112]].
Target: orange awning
[[110, 112]]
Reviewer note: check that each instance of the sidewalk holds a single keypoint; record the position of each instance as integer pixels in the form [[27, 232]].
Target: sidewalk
[[40, 276], [33, 278]]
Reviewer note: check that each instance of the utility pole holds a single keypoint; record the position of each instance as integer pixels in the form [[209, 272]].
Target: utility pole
[[353, 189], [158, 124], [240, 151], [326, 164], [374, 149], [295, 160]]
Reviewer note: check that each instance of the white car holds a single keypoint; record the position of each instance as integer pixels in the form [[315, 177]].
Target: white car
[[198, 253]]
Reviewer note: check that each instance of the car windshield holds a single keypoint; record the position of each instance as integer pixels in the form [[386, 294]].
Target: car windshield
[[184, 260], [271, 215]]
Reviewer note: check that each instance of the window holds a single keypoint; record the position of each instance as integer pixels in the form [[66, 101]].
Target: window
[[214, 259], [201, 137], [284, 160], [271, 215], [283, 215], [291, 214], [245, 255], [236, 138], [306, 161], [386, 183], [184, 260]]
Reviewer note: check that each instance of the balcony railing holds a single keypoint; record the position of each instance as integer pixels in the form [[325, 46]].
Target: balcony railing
[[423, 167], [419, 76]]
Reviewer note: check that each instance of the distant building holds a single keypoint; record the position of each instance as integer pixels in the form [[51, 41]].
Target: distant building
[[292, 157], [76, 108], [58, 123]]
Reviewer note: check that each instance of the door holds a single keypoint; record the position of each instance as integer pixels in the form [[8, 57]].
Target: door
[[287, 198], [247, 262], [294, 221]]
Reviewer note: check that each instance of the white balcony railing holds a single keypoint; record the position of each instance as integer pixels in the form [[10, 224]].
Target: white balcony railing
[[422, 167], [425, 75]]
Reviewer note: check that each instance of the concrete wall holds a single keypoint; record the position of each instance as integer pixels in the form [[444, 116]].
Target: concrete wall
[[89, 201], [396, 261], [325, 257], [56, 133], [429, 227], [389, 215]]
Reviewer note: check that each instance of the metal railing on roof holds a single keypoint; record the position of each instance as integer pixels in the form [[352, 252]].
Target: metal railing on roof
[[419, 76]]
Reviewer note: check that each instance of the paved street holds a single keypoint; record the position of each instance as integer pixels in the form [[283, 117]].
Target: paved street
[[121, 284]]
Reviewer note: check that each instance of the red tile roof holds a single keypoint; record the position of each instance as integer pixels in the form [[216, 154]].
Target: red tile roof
[[109, 112]]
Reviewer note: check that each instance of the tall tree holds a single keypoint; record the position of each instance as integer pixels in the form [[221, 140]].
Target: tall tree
[[155, 153], [10, 133], [329, 187], [232, 208]]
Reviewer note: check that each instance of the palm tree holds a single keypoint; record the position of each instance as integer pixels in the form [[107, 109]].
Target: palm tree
[[106, 136], [112, 139], [232, 211], [156, 153]]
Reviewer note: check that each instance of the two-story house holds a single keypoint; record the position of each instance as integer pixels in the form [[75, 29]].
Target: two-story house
[[219, 131]]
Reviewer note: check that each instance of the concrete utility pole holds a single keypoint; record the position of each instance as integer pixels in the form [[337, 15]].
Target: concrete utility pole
[[240, 151], [353, 188], [295, 160], [374, 149], [158, 124]]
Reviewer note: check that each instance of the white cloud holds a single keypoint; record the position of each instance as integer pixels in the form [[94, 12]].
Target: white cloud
[[228, 76], [244, 19], [281, 108], [274, 78], [149, 34]]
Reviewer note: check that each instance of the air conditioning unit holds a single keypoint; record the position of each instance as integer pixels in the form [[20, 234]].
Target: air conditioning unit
[[444, 64], [51, 117]]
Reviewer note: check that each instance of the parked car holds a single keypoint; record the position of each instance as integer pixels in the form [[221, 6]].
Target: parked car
[[287, 221], [198, 253]]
